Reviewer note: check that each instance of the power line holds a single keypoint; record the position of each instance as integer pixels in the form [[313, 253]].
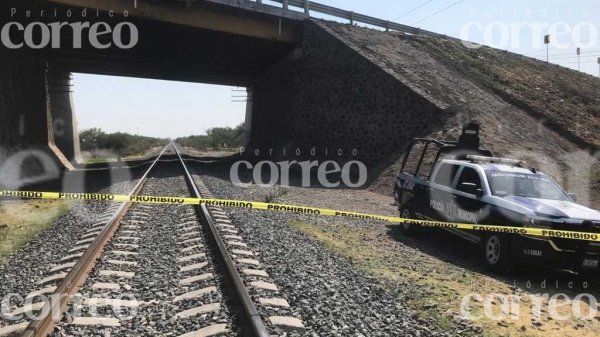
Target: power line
[[590, 39], [554, 57], [575, 62], [583, 51], [567, 61], [414, 9], [572, 43], [574, 56], [538, 50], [438, 12]]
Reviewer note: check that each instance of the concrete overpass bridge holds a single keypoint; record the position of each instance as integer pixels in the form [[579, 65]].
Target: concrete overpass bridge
[[208, 41], [308, 88]]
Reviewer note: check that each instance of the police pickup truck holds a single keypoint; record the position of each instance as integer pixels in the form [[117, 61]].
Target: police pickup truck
[[461, 182]]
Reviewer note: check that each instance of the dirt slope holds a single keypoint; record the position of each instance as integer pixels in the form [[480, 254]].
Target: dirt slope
[[568, 101], [547, 115]]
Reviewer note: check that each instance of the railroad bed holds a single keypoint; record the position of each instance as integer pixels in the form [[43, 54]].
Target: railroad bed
[[156, 270]]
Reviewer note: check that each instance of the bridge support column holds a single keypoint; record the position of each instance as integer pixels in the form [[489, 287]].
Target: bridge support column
[[248, 121], [27, 153], [26, 127], [22, 100], [64, 122]]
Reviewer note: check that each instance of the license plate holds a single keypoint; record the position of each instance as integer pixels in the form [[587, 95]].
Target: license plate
[[589, 263]]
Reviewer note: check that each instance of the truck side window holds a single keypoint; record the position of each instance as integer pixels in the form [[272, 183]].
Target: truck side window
[[469, 175], [445, 174]]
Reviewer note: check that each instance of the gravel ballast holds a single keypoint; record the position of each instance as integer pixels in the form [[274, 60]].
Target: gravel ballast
[[331, 295], [26, 266], [157, 274]]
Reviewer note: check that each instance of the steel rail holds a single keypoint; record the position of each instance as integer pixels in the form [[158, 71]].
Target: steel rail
[[257, 326], [53, 310]]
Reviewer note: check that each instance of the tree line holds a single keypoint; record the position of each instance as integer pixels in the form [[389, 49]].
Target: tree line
[[121, 143], [216, 138]]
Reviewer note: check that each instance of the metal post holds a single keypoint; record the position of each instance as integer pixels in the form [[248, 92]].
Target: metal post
[[578, 59], [306, 8], [285, 4], [599, 67], [352, 18], [547, 43]]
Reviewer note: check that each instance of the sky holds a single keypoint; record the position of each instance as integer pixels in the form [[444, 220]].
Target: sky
[[165, 109], [173, 109]]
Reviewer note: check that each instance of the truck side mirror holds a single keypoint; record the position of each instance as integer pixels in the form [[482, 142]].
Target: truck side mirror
[[471, 188], [573, 196]]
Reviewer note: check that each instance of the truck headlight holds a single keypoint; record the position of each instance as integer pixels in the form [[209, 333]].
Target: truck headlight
[[531, 222]]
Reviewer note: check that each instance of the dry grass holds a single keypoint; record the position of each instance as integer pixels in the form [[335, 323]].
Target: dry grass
[[437, 294], [25, 219], [192, 151], [566, 98]]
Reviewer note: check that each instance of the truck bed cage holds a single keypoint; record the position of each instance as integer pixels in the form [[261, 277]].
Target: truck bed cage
[[468, 144]]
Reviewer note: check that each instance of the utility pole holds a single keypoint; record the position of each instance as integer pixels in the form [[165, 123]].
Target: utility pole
[[578, 59], [547, 43]]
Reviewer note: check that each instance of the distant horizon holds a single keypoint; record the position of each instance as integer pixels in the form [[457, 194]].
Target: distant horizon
[[150, 136]]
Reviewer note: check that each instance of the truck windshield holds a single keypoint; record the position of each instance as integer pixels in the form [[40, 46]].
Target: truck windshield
[[504, 184]]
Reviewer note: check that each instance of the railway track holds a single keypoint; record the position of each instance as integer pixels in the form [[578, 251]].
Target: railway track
[[156, 270]]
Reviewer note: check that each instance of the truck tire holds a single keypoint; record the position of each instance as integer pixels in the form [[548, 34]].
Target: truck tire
[[496, 253], [407, 212]]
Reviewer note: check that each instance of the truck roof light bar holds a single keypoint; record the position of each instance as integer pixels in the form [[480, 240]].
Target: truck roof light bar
[[494, 160]]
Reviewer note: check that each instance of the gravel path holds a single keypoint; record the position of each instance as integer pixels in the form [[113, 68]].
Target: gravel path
[[333, 297]]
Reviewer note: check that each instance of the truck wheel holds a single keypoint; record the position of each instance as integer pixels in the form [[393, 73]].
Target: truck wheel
[[406, 212], [496, 253]]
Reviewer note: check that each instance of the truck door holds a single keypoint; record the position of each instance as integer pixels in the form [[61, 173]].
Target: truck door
[[440, 192], [467, 195]]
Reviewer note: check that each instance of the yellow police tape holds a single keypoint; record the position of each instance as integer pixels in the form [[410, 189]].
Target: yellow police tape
[[544, 232]]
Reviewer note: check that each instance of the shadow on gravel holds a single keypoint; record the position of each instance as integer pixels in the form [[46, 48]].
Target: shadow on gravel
[[530, 279]]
